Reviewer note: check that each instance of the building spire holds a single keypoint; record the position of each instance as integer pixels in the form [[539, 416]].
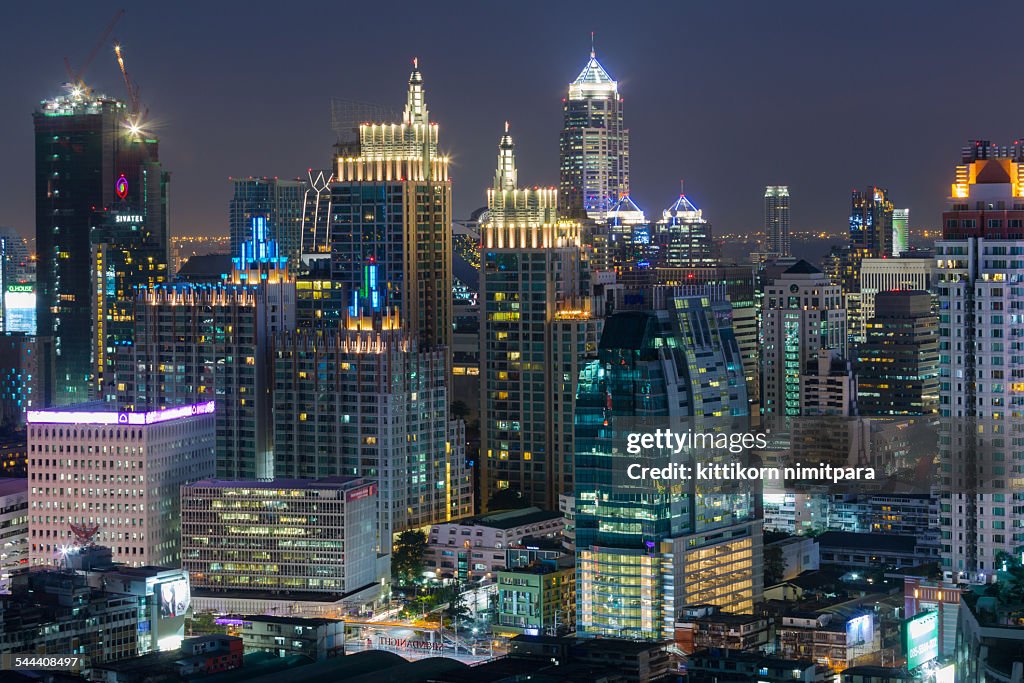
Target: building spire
[[416, 105], [593, 52], [506, 177]]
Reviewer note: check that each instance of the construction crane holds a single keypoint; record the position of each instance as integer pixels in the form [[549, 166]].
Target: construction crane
[[133, 88], [75, 77]]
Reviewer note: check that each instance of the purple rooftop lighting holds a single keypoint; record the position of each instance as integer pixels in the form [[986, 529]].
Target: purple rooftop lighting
[[113, 418]]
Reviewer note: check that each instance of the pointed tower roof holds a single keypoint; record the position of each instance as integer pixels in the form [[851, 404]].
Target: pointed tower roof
[[626, 212], [594, 80], [506, 177], [802, 267], [683, 204], [415, 103]]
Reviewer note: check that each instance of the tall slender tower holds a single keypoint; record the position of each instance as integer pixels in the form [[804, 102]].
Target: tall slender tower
[[979, 268], [803, 312], [389, 204], [594, 144], [91, 166], [535, 328], [776, 219]]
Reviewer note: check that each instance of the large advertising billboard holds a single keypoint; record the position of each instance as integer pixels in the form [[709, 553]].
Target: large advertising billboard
[[921, 639], [860, 630], [175, 598]]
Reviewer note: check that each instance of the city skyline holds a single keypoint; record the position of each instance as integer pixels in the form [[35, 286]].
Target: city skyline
[[807, 110]]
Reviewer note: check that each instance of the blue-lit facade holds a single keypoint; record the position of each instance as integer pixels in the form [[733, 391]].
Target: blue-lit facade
[[645, 550], [594, 144]]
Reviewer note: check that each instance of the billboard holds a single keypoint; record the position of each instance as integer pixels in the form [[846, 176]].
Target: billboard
[[175, 598], [921, 639], [860, 630], [20, 308]]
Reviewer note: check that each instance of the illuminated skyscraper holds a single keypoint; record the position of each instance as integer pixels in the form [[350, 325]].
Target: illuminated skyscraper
[[898, 367], [87, 160], [980, 268], [196, 342], [776, 219], [279, 201], [388, 202], [364, 401], [900, 231], [594, 144], [644, 551], [535, 324], [803, 312], [683, 237]]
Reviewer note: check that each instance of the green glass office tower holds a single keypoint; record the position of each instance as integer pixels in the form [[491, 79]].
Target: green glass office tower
[[87, 159], [645, 549]]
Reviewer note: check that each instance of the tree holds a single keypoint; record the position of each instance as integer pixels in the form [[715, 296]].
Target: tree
[[457, 609], [205, 623], [774, 565], [407, 556]]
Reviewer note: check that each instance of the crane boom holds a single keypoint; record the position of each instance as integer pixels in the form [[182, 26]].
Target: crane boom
[[133, 90], [76, 77]]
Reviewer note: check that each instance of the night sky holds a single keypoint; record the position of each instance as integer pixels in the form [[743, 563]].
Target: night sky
[[824, 96]]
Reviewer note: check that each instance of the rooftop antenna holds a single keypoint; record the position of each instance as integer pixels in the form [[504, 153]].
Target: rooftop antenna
[[682, 191], [593, 53]]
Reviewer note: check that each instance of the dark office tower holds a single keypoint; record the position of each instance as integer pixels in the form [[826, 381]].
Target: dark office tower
[[594, 144], [646, 551], [277, 200], [87, 159], [898, 370], [871, 213], [388, 204], [776, 219]]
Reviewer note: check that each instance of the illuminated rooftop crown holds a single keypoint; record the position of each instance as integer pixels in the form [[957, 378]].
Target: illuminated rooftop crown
[[507, 203], [593, 81], [398, 151]]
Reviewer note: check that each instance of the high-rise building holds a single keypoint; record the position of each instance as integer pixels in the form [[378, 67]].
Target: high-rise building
[[979, 267], [628, 239], [911, 272], [283, 537], [13, 528], [87, 159], [594, 144], [871, 223], [23, 381], [871, 236], [827, 386], [803, 312], [898, 364], [530, 297], [900, 231], [644, 551], [683, 237], [96, 475], [194, 342], [776, 219], [128, 254], [738, 282], [278, 201], [366, 401], [388, 204]]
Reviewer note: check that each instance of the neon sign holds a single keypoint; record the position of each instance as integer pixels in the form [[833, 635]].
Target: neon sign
[[121, 187]]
